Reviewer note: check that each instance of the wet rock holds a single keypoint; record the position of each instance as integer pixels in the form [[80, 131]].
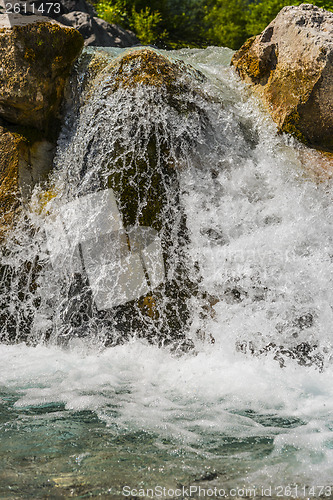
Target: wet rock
[[155, 164], [25, 160], [304, 353], [139, 160], [290, 66], [11, 148], [97, 32], [36, 58]]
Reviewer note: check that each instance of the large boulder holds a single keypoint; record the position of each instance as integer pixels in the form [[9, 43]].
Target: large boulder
[[290, 66], [36, 58], [178, 86], [97, 32], [141, 118]]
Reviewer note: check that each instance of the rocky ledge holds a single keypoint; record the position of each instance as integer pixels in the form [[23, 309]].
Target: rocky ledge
[[36, 59], [290, 66]]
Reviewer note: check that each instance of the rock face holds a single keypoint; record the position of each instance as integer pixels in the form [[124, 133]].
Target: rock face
[[97, 32], [290, 65], [140, 117], [172, 83], [36, 58], [10, 152], [35, 61]]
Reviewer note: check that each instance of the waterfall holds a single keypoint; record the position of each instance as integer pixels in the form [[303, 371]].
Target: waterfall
[[228, 226], [110, 231], [165, 155]]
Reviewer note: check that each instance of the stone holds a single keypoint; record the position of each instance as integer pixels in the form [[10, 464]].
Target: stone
[[172, 79], [97, 32], [290, 66], [139, 161], [23, 163], [11, 147], [36, 58]]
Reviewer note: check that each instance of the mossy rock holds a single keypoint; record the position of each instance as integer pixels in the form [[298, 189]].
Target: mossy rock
[[150, 68], [290, 66], [36, 59], [12, 146], [24, 162], [140, 163], [145, 175]]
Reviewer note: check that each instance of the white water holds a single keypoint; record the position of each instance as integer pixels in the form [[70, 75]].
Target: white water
[[260, 222]]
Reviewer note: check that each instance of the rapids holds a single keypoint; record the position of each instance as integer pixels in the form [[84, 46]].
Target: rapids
[[83, 420]]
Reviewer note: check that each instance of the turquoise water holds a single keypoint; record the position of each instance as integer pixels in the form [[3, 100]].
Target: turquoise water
[[92, 422], [81, 424]]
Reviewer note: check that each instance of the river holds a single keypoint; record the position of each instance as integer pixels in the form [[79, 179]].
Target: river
[[86, 421]]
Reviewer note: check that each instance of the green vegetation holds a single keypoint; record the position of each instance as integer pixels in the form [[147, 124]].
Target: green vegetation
[[113, 12], [195, 23], [146, 25]]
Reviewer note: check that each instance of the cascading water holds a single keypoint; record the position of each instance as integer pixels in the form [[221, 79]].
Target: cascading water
[[241, 215]]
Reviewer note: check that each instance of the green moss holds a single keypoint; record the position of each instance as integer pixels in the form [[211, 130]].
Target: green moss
[[10, 146], [242, 51], [252, 67], [244, 61], [290, 126], [96, 64], [44, 41], [140, 180], [148, 67]]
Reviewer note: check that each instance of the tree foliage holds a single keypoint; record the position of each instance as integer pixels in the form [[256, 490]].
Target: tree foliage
[[225, 22]]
